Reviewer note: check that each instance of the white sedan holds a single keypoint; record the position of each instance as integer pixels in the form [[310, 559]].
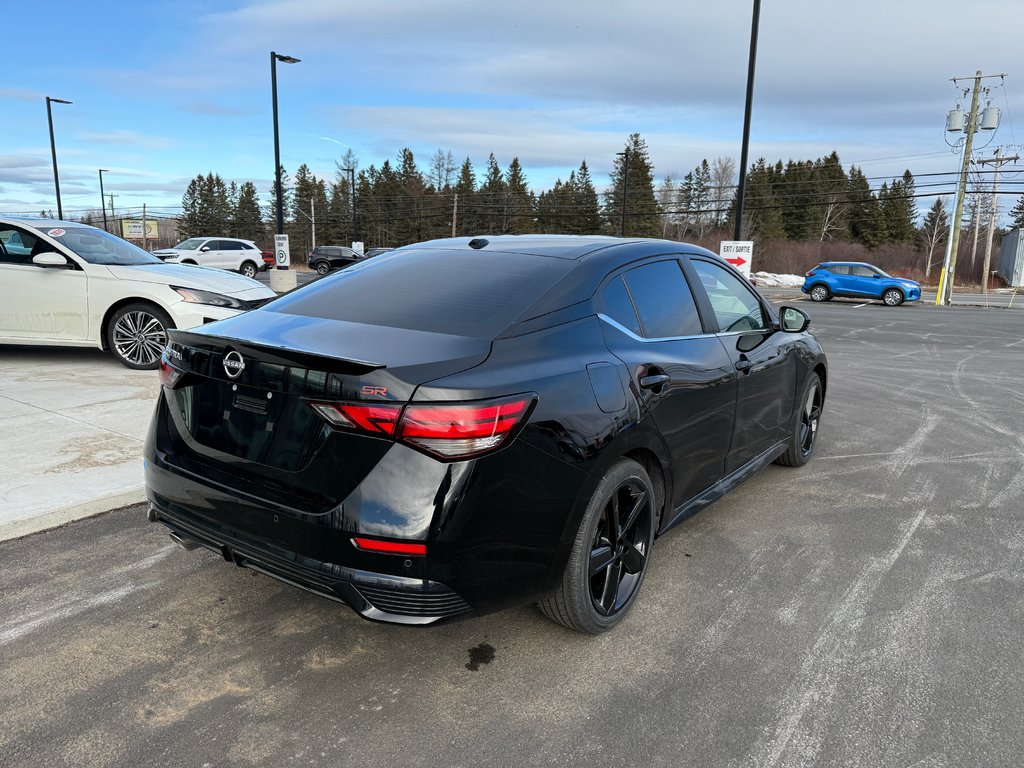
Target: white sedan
[[69, 284]]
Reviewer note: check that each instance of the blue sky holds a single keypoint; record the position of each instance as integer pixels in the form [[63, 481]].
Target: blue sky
[[165, 90]]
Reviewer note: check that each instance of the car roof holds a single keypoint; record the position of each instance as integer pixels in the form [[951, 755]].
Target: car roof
[[37, 222], [847, 264]]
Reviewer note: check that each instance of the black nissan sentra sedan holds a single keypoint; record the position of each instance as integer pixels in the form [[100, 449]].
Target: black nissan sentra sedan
[[464, 425]]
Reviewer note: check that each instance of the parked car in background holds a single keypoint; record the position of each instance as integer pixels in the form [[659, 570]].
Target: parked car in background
[[854, 279], [69, 284], [377, 251], [324, 258], [468, 425], [242, 256], [268, 261]]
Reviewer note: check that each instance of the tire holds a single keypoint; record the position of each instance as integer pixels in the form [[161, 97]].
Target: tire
[[137, 335], [605, 570], [248, 269], [805, 424], [820, 293], [892, 297], [322, 268]]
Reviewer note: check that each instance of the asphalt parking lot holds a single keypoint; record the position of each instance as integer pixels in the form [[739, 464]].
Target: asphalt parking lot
[[864, 610]]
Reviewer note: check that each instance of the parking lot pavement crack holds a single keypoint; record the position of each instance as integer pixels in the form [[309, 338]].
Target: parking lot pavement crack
[[817, 681], [61, 415]]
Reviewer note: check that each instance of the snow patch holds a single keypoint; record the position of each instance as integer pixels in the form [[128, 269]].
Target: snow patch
[[771, 280]]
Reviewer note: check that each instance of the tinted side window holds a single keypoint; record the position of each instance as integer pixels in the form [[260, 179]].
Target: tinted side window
[[16, 246], [858, 270], [735, 306], [839, 269], [213, 245], [230, 245], [663, 300], [618, 306]]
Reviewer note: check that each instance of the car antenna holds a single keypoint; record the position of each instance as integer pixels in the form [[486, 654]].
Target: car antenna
[[478, 243]]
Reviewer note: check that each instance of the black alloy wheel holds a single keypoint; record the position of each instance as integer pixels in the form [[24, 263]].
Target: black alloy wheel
[[892, 297], [137, 335], [248, 269], [820, 293], [806, 422], [610, 555], [322, 267]]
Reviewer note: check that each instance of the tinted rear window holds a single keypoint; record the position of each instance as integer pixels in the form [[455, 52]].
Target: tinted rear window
[[466, 293], [663, 300]]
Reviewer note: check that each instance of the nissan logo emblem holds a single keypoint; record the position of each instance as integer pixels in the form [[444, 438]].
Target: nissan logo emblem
[[233, 364]]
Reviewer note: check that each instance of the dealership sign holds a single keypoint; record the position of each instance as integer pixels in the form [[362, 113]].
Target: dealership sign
[[131, 229]]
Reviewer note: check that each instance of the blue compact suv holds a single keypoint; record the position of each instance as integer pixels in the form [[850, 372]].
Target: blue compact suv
[[857, 280]]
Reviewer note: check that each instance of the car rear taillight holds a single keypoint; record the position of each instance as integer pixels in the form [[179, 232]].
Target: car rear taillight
[[465, 429], [812, 273], [375, 419], [390, 547], [447, 431], [169, 375]]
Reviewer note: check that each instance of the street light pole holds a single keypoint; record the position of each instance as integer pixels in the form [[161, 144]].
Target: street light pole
[[274, 58], [53, 151], [737, 227], [103, 199]]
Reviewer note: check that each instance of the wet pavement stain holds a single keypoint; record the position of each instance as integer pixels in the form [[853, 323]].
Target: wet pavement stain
[[480, 654]]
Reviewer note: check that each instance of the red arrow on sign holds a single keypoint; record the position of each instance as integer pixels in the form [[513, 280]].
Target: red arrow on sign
[[737, 261]]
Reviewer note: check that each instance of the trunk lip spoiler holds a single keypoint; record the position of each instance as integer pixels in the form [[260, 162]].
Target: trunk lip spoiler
[[306, 358]]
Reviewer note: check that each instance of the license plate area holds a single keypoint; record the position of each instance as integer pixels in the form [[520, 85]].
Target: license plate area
[[253, 424]]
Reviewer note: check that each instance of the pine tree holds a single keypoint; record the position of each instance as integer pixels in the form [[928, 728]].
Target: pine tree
[[642, 212], [761, 211], [1017, 214], [468, 221], [867, 224], [189, 224], [248, 219], [585, 206], [490, 199], [518, 201]]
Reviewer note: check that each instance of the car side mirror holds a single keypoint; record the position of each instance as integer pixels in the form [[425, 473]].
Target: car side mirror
[[50, 260], [794, 320], [204, 249], [877, 275]]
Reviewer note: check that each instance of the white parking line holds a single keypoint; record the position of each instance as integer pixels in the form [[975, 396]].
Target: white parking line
[[862, 305]]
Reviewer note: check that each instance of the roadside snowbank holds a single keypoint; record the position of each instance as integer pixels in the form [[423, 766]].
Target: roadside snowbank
[[771, 280]]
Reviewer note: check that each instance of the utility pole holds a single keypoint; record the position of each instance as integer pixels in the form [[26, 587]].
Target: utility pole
[[145, 233], [312, 209], [946, 279], [112, 218], [103, 200], [996, 161], [455, 213]]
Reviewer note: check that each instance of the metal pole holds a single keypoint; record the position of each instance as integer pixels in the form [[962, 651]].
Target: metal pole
[[746, 120], [145, 234], [103, 201], [53, 152], [455, 212], [277, 146], [312, 208], [625, 189]]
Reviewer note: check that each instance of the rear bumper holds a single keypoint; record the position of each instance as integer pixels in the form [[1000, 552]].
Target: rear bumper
[[374, 596]]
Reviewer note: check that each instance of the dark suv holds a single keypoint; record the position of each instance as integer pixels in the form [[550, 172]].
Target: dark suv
[[324, 258]]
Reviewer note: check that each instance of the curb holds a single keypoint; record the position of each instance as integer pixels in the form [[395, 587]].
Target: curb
[[56, 519]]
